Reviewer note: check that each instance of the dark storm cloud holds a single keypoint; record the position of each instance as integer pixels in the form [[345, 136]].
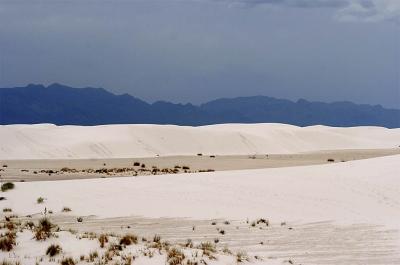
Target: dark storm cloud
[[194, 51]]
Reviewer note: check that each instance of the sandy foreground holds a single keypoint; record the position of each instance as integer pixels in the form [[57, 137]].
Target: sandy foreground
[[342, 213], [272, 196]]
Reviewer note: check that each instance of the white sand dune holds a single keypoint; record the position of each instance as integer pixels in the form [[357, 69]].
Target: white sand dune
[[364, 191], [118, 141]]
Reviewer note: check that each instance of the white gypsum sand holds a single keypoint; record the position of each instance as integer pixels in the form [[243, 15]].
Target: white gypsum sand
[[363, 191], [47, 141]]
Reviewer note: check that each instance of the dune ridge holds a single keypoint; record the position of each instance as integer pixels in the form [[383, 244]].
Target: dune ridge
[[47, 141]]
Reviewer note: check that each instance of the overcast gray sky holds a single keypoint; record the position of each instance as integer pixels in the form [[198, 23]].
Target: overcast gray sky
[[194, 51]]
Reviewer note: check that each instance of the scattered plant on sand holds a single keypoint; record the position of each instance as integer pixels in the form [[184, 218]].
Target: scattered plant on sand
[[40, 200], [7, 241], [53, 250], [128, 239], [67, 261], [43, 230], [66, 209], [330, 160], [208, 249], [92, 256], [103, 239], [242, 256], [5, 210], [7, 186], [6, 262], [175, 256]]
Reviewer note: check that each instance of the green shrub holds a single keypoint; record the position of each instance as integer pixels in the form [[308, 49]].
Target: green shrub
[[7, 186]]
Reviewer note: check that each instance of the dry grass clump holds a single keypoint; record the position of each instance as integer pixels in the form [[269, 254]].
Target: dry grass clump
[[92, 256], [113, 250], [263, 221], [6, 262], [7, 241], [128, 239], [7, 186], [208, 249], [242, 256], [43, 230], [66, 209], [103, 239], [40, 200], [67, 261], [175, 256], [53, 250]]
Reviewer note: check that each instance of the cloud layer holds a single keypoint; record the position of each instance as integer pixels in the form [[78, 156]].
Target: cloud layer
[[347, 10]]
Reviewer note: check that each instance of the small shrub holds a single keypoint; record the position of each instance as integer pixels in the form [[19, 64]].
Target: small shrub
[[175, 256], [43, 230], [103, 239], [128, 239], [143, 166], [67, 261], [79, 219], [185, 167], [156, 239], [330, 160], [199, 154], [92, 256], [7, 241], [53, 250], [136, 164], [7, 186], [5, 166], [40, 200], [242, 256], [66, 209], [5, 210], [212, 156], [6, 262], [207, 247]]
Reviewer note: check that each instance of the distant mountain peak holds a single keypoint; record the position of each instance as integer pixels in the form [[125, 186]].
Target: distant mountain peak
[[60, 104]]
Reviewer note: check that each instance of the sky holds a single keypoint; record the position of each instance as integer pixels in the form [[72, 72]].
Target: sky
[[199, 50]]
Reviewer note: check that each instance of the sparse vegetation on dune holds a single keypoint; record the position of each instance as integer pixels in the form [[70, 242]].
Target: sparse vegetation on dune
[[53, 250], [66, 209], [40, 200], [7, 186], [6, 262], [128, 239], [67, 261], [242, 256], [103, 239], [175, 256], [7, 241], [43, 229]]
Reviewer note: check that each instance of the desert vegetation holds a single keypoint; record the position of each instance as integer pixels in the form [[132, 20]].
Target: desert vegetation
[[7, 186], [53, 250]]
